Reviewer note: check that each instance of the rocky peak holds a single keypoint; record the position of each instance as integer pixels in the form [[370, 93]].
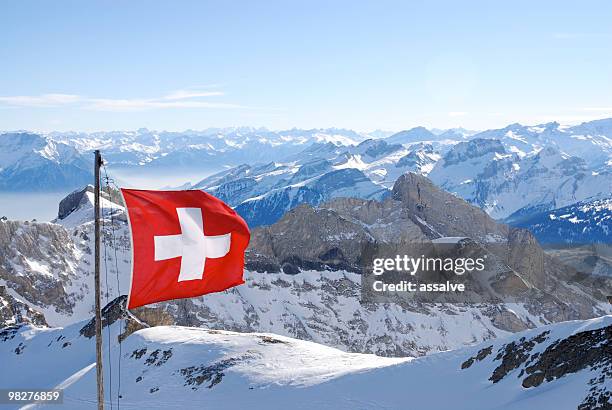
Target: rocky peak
[[375, 148], [309, 238], [73, 201], [475, 148], [443, 213]]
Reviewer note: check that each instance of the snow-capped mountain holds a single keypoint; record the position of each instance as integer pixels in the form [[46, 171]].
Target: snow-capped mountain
[[510, 184], [520, 170], [591, 141], [422, 134], [61, 161], [580, 223], [560, 366], [511, 172], [417, 134], [262, 194], [30, 162], [203, 149]]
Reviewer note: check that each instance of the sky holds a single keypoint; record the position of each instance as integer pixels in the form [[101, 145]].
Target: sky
[[364, 65]]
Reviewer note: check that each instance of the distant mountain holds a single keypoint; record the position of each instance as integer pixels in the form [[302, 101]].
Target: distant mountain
[[584, 222], [591, 141], [208, 149], [510, 172], [264, 193], [453, 133], [29, 162], [412, 135], [509, 184], [62, 161]]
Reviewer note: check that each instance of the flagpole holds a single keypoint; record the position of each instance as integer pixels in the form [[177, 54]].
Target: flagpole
[[99, 373]]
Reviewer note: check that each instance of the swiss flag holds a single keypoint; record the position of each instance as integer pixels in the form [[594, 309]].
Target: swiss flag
[[184, 244]]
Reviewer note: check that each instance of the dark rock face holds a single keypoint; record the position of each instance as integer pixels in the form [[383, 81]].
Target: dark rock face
[[589, 350], [445, 213], [514, 354], [481, 355], [540, 359], [584, 350], [112, 312], [76, 199], [9, 332], [308, 238], [139, 318], [211, 374], [20, 242], [72, 201]]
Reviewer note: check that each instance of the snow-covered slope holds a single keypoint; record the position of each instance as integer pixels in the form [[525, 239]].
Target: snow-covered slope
[[580, 223], [212, 148], [29, 162], [561, 366], [511, 185], [591, 141], [264, 193]]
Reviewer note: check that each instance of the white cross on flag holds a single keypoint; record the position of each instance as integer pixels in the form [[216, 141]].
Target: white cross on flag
[[184, 244]]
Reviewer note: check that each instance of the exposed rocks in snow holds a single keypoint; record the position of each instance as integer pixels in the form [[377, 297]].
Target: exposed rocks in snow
[[14, 311]]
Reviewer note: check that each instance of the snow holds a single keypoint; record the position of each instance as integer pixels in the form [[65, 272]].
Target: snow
[[266, 371], [84, 213], [448, 239]]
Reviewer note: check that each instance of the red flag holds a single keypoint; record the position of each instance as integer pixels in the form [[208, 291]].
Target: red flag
[[184, 244]]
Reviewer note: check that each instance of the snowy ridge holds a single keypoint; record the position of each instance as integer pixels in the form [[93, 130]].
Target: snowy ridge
[[510, 185], [264, 193], [31, 162], [176, 367], [510, 172]]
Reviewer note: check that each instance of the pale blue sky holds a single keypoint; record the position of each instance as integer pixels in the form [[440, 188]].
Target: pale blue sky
[[175, 65]]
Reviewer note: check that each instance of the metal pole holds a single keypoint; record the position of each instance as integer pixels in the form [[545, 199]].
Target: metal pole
[[99, 373]]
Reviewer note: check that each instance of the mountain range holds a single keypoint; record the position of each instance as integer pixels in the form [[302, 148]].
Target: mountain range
[[308, 266], [512, 173], [300, 326]]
